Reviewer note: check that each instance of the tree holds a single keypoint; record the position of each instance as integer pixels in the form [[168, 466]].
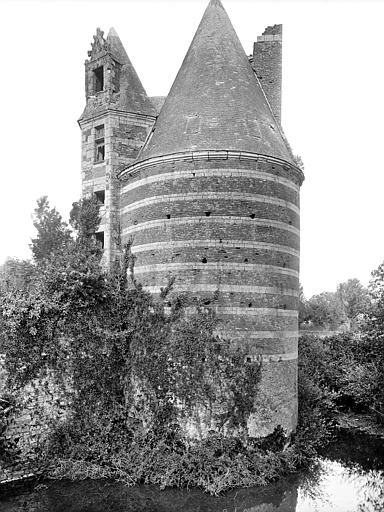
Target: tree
[[53, 235], [354, 298], [84, 217], [371, 348], [324, 310]]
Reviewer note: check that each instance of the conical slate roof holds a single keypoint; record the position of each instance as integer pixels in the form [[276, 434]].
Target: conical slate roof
[[133, 97], [216, 102]]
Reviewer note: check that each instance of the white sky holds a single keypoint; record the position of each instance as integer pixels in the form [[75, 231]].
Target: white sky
[[333, 83]]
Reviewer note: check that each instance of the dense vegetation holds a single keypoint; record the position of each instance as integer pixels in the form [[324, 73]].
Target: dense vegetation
[[132, 371], [335, 310]]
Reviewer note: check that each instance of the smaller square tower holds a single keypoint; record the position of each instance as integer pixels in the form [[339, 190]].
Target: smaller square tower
[[115, 123]]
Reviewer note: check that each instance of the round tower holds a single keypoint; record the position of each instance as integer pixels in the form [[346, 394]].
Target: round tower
[[213, 201]]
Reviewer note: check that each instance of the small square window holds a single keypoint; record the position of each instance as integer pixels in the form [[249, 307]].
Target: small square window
[[99, 79], [100, 196]]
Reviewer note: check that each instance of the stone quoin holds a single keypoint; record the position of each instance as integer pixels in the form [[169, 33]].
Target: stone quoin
[[205, 186]]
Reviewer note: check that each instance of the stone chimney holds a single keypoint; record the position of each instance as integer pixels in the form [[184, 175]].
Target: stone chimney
[[267, 56]]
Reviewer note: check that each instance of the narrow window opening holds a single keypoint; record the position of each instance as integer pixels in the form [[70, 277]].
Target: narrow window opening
[[250, 305], [100, 197], [252, 215], [100, 238], [245, 260], [100, 153], [99, 79], [100, 143]]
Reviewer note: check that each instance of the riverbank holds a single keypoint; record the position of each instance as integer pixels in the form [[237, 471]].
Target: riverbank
[[364, 423], [348, 423], [347, 477]]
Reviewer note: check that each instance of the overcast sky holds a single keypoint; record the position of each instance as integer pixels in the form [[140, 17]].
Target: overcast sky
[[333, 107]]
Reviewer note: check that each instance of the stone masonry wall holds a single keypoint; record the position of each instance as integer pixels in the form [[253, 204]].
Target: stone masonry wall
[[124, 135], [228, 228]]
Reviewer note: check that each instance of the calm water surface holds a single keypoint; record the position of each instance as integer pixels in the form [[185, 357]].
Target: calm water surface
[[348, 478]]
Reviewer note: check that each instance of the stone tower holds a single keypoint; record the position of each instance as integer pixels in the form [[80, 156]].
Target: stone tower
[[212, 199], [114, 125]]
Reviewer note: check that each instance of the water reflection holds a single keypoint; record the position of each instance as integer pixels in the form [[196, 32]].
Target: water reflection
[[111, 497], [349, 478]]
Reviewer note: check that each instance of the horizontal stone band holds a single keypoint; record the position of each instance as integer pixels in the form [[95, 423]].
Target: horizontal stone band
[[202, 173], [215, 265], [215, 154], [276, 358], [195, 196], [233, 310], [222, 219], [258, 335], [236, 288], [243, 244]]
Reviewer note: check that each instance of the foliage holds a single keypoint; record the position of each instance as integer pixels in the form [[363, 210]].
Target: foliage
[[351, 363], [163, 457], [134, 371], [317, 398], [8, 448], [330, 310], [324, 310], [15, 274], [343, 369], [53, 234], [354, 298], [84, 217]]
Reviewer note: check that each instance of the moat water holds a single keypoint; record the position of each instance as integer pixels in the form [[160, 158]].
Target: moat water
[[349, 477]]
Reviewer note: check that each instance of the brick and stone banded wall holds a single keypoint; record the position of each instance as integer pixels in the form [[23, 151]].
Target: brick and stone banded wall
[[230, 226], [124, 135]]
